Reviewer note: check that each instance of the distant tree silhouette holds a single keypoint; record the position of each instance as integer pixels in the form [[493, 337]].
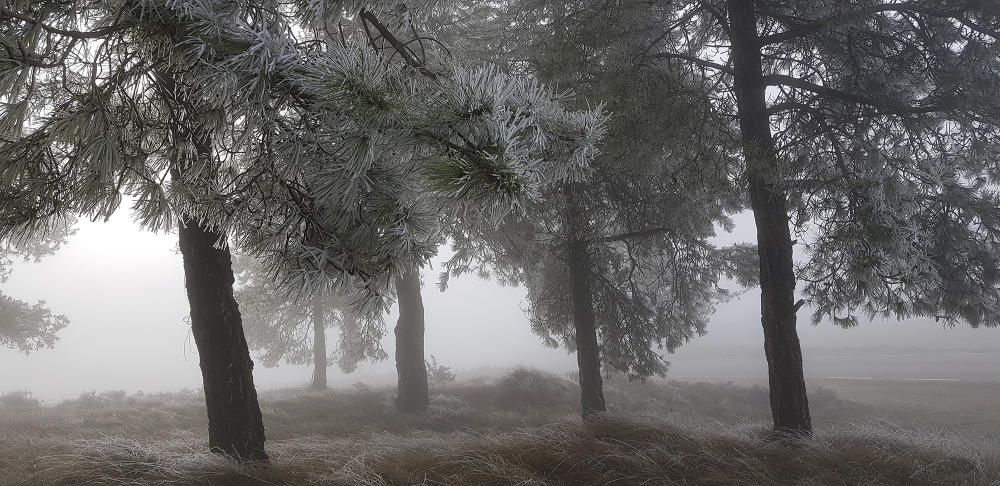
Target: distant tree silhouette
[[23, 326], [438, 373], [285, 328]]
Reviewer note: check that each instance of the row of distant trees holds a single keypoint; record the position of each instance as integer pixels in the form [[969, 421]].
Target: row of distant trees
[[339, 144]]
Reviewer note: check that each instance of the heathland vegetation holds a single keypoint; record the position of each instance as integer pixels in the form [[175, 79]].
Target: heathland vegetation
[[517, 428]]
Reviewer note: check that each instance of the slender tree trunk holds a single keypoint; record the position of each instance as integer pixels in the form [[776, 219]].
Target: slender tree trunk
[[319, 343], [587, 351], [587, 354], [789, 405], [412, 394], [235, 426]]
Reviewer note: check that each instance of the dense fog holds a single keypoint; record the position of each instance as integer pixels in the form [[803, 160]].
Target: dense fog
[[123, 290], [499, 243]]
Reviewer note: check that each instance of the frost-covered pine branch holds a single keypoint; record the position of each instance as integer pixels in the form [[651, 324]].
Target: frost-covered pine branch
[[330, 157]]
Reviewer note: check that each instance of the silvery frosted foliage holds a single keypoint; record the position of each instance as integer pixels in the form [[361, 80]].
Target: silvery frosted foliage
[[475, 149], [23, 326], [334, 157], [323, 13], [651, 204], [281, 326], [885, 116], [908, 220], [905, 167]]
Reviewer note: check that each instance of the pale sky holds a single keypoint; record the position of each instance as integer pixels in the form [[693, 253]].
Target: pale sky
[[123, 290]]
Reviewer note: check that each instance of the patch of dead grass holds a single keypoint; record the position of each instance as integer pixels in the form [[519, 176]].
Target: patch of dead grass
[[520, 429]]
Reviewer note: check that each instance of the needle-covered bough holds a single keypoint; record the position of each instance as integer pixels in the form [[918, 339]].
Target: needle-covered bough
[[330, 138]]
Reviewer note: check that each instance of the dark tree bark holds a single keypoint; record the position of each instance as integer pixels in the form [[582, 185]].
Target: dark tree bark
[[319, 344], [235, 426], [412, 393], [789, 405], [587, 351], [587, 355]]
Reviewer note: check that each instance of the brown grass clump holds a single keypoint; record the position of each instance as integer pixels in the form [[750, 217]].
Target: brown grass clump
[[528, 390], [604, 451]]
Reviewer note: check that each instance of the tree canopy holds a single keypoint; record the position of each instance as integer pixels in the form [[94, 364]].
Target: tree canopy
[[332, 155], [885, 126], [869, 133], [312, 135], [649, 206]]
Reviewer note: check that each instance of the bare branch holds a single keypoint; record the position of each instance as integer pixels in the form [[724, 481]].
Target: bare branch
[[694, 60], [882, 105], [75, 34]]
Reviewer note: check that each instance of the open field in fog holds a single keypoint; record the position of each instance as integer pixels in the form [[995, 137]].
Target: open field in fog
[[964, 407], [747, 364], [520, 428]]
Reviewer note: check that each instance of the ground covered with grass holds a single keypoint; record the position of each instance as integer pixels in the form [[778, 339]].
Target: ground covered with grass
[[517, 429]]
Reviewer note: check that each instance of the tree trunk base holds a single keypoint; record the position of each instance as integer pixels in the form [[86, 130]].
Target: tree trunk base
[[235, 425], [768, 199]]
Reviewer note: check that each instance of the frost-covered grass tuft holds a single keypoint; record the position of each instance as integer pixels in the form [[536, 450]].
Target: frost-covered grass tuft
[[606, 450], [483, 433]]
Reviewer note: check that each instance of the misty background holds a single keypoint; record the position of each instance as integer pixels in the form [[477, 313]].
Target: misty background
[[123, 290]]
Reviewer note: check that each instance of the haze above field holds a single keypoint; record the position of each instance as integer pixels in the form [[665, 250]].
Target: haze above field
[[123, 290]]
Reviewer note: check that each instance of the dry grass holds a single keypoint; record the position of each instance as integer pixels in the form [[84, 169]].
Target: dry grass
[[520, 429]]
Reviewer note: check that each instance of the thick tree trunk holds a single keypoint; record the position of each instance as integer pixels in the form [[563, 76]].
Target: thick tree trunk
[[789, 405], [587, 351], [412, 394], [319, 343], [235, 426]]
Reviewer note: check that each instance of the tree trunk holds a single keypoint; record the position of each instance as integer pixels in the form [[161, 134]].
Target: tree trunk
[[412, 394], [789, 405], [587, 352], [235, 426], [319, 343]]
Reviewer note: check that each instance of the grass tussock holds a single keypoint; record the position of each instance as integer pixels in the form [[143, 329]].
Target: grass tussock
[[518, 429], [605, 451]]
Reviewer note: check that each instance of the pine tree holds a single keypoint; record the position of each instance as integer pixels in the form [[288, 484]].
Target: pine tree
[[332, 158], [618, 266], [292, 328], [870, 135]]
